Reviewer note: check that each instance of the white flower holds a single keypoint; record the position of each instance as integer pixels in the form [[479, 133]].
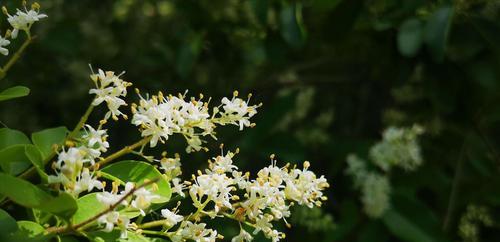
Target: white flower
[[216, 187], [143, 199], [223, 164], [399, 147], [172, 218], [304, 188], [109, 220], [114, 218], [198, 232], [109, 198], [86, 182], [94, 137], [109, 88], [160, 116], [23, 20], [242, 237], [4, 42], [178, 186]]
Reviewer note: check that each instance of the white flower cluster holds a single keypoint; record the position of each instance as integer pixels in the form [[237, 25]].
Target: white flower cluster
[[72, 165], [220, 191], [109, 89], [471, 222], [161, 116], [399, 147], [267, 198], [140, 199], [22, 20]]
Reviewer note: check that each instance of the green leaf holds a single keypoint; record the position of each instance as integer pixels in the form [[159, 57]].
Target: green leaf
[[63, 206], [13, 160], [45, 140], [403, 228], [292, 28], [437, 31], [31, 227], [138, 171], [29, 195], [88, 206], [14, 92], [8, 225], [34, 155], [410, 37], [9, 137]]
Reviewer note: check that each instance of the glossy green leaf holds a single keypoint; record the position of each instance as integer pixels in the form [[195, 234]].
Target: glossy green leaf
[[9, 137], [138, 171], [403, 228], [437, 31], [46, 139], [14, 92], [34, 155], [410, 37], [13, 160], [88, 206], [29, 195], [63, 206]]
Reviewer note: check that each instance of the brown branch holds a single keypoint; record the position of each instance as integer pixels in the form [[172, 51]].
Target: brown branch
[[64, 229]]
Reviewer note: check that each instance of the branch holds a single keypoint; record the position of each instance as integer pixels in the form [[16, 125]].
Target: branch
[[64, 229], [125, 150], [16, 56]]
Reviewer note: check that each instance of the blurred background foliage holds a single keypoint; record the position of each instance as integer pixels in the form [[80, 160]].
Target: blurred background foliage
[[332, 74]]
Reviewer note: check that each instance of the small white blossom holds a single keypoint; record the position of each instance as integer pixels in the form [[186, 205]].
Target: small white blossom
[[4, 42], [242, 237], [86, 182], [143, 199], [110, 89], [172, 218], [23, 20]]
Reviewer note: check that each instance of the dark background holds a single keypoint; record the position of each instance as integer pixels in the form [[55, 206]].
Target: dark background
[[332, 74]]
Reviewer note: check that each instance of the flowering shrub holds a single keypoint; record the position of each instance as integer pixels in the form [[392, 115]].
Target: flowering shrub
[[84, 191]]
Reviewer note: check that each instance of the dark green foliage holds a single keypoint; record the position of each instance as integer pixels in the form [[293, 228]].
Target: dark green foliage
[[370, 64]]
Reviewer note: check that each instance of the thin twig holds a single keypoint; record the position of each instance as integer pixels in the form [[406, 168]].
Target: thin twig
[[64, 229], [16, 56], [125, 150], [32, 170]]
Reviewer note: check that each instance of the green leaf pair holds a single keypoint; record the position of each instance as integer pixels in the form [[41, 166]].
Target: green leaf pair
[[17, 153]]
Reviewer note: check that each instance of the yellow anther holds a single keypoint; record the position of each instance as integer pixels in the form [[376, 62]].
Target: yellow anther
[[35, 6]]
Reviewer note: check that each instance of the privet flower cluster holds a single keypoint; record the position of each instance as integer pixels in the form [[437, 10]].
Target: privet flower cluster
[[471, 222], [161, 116], [222, 190], [22, 20], [398, 148]]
